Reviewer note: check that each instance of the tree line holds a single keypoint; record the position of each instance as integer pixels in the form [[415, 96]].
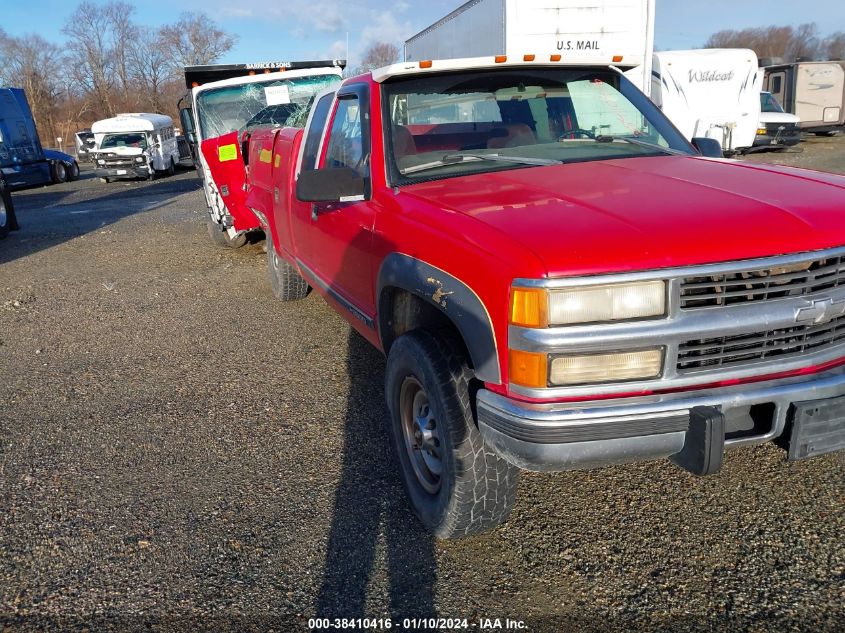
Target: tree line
[[786, 42], [108, 64]]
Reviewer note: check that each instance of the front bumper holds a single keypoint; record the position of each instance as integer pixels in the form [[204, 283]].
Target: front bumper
[[779, 140], [554, 437], [139, 171]]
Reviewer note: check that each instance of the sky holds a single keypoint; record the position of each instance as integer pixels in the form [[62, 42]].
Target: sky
[[317, 29]]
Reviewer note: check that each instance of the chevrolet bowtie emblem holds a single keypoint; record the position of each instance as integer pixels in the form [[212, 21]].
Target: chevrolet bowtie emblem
[[821, 311]]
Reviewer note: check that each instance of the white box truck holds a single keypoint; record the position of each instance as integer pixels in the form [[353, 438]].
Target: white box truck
[[575, 30], [814, 91], [713, 93]]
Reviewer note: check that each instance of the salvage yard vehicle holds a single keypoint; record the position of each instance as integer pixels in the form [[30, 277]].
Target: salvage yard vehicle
[[134, 145], [225, 100], [548, 297], [776, 128], [8, 220], [63, 167]]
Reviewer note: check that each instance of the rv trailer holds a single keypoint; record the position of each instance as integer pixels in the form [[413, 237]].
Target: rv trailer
[[570, 30], [713, 93], [814, 91]]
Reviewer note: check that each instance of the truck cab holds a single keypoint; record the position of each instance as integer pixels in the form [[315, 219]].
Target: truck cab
[[226, 100], [559, 279]]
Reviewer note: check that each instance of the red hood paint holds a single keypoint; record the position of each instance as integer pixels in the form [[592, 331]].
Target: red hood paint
[[229, 175], [650, 213]]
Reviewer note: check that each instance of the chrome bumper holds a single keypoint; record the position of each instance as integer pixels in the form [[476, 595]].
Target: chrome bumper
[[577, 436]]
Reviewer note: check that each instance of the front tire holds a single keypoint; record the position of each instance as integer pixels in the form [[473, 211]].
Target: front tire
[[220, 237], [73, 171], [285, 282], [171, 168], [456, 485]]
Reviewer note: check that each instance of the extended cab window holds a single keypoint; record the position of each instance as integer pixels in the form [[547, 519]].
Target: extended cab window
[[346, 142], [315, 131]]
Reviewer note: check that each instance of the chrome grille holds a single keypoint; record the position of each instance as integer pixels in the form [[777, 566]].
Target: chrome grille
[[741, 349], [763, 284]]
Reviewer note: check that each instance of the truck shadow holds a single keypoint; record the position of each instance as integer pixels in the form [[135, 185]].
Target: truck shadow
[[371, 514], [54, 215]]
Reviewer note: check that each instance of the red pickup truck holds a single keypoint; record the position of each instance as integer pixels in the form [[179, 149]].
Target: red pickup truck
[[558, 278]]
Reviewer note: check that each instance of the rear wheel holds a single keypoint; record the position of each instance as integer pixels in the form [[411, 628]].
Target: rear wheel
[[285, 282], [58, 172], [220, 237], [456, 485]]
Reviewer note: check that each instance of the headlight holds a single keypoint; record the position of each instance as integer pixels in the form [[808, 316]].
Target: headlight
[[539, 371], [540, 307], [761, 131], [100, 161], [597, 368]]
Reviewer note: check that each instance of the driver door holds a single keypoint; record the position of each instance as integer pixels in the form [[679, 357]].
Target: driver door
[[335, 239]]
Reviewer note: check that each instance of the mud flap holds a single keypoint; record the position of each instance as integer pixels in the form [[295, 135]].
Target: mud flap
[[704, 446], [818, 427]]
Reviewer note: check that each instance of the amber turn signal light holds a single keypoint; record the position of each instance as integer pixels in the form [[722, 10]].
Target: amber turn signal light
[[528, 369], [529, 307]]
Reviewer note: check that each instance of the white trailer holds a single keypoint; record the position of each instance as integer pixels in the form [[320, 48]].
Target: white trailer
[[575, 30], [714, 93], [814, 91]]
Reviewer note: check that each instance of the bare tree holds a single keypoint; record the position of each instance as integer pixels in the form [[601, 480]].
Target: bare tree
[[834, 45], [37, 66], [195, 39], [148, 65], [122, 33], [773, 41], [88, 30], [377, 55]]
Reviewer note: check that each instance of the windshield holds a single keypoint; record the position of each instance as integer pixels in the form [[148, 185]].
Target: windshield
[[768, 103], [224, 110], [124, 139], [450, 125]]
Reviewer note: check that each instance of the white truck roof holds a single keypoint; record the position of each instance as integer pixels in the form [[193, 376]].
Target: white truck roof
[[132, 122], [409, 69], [262, 76]]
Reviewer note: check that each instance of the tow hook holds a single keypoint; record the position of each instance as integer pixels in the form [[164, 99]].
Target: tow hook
[[704, 446]]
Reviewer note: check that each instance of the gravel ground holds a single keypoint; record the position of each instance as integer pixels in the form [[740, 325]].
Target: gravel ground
[[180, 451]]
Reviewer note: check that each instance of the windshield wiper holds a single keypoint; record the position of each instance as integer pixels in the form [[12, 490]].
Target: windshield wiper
[[640, 143], [454, 159]]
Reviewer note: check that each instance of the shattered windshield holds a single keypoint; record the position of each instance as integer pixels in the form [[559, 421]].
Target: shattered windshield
[[127, 139], [461, 123], [224, 110]]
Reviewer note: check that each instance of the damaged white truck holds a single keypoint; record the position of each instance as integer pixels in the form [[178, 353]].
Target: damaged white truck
[[231, 98]]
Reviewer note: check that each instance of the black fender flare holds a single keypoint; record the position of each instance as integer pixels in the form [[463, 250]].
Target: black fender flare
[[451, 297]]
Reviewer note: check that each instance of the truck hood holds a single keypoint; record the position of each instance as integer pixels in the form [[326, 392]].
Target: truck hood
[[119, 151], [779, 117], [650, 213]]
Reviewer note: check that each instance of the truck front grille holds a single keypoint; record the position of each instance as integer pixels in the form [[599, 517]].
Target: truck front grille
[[764, 284], [773, 129], [741, 349]]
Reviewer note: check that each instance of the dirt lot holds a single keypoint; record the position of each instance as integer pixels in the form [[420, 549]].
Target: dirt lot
[[180, 451]]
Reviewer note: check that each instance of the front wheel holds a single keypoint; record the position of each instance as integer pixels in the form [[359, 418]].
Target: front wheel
[[456, 485], [73, 171], [8, 221], [220, 237], [171, 168]]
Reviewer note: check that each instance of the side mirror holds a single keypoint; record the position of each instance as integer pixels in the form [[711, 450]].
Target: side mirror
[[340, 184], [709, 147]]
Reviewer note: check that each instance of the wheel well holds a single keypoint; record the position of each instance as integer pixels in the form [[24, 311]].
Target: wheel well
[[401, 311]]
